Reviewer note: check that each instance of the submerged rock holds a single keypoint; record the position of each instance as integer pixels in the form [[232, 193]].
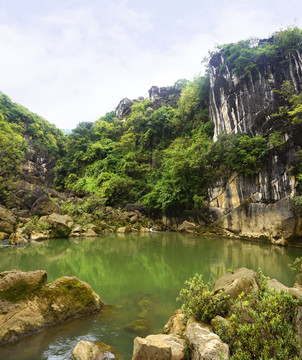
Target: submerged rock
[[28, 303], [138, 327]]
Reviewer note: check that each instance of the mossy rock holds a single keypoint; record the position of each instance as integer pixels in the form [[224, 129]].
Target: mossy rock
[[138, 327]]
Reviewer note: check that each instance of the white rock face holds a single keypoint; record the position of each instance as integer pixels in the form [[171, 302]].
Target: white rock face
[[206, 345]]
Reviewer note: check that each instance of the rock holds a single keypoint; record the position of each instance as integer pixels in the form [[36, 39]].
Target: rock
[[16, 239], [298, 328], [175, 324], [87, 350], [133, 219], [295, 292], [275, 284], [138, 327], [11, 282], [28, 303], [123, 229], [205, 345], [137, 208], [94, 228], [160, 347], [217, 321], [91, 233], [61, 225], [40, 235], [3, 236], [144, 230], [124, 108], [188, 227], [44, 206], [234, 283], [7, 220]]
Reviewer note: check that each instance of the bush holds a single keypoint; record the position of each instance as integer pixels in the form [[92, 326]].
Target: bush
[[261, 325], [200, 302]]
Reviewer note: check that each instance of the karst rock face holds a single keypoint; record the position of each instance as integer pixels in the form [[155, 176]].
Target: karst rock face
[[259, 205], [245, 104]]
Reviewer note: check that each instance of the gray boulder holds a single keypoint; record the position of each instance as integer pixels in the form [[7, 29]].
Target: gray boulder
[[236, 282]]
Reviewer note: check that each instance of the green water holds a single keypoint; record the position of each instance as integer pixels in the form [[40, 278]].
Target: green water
[[141, 274]]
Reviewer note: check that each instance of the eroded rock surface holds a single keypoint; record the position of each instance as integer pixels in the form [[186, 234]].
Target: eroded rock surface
[[28, 303], [161, 346], [205, 345], [236, 282]]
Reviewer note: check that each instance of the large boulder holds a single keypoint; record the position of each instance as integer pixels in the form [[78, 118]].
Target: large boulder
[[7, 220], [161, 346], [205, 345], [188, 227], [61, 225], [236, 282], [28, 303]]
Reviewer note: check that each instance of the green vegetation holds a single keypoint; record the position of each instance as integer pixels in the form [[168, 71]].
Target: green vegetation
[[260, 324], [199, 301], [162, 154], [248, 56]]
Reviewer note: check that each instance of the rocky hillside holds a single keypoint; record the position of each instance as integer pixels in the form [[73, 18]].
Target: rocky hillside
[[221, 153]]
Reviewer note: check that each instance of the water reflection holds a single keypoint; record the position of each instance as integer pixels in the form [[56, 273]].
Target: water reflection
[[130, 270]]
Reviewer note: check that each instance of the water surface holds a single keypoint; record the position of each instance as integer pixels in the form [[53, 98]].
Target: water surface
[[140, 273]]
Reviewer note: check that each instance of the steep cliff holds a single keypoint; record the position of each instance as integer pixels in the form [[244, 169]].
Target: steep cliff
[[245, 104], [258, 205]]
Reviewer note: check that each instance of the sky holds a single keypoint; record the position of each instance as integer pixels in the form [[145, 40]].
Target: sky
[[74, 60]]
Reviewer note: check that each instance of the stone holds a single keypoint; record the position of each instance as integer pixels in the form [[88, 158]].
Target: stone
[[44, 206], [176, 324], [124, 108], [91, 233], [298, 328], [205, 345], [61, 225], [87, 350], [236, 282], [188, 227], [278, 286], [28, 303], [16, 239], [40, 235], [3, 236], [123, 229], [7, 220], [161, 347], [144, 230]]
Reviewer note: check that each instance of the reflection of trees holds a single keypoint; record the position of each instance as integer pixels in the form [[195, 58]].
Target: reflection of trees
[[158, 262]]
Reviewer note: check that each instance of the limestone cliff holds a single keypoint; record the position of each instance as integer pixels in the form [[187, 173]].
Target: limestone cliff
[[245, 104], [260, 205]]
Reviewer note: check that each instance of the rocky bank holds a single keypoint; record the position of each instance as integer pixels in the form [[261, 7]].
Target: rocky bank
[[28, 303]]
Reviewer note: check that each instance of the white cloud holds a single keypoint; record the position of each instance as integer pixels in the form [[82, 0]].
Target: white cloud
[[74, 63]]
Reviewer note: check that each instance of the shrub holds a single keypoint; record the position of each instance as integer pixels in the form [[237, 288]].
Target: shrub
[[200, 302], [261, 325]]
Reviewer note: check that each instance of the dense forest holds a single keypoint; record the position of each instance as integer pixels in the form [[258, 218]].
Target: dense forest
[[161, 154]]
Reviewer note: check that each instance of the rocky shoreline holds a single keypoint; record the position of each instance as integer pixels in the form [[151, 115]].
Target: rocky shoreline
[[28, 303]]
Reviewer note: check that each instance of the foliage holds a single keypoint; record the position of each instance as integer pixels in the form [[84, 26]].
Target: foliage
[[261, 325], [296, 267], [248, 56], [199, 301]]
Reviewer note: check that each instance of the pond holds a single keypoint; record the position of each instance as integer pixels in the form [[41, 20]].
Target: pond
[[141, 274]]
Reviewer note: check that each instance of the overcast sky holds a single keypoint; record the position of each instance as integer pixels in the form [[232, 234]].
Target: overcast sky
[[74, 60]]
